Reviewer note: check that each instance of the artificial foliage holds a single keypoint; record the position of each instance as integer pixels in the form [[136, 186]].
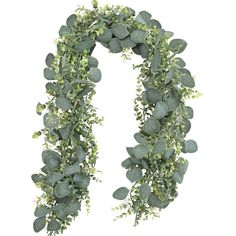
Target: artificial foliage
[[155, 165]]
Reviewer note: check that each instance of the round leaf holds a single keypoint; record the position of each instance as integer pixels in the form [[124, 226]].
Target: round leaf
[[62, 190], [159, 147], [169, 76], [169, 152], [172, 103], [115, 46], [134, 174], [187, 80], [71, 20], [50, 121], [130, 151], [49, 74], [63, 103], [188, 112], [46, 154], [153, 95], [151, 126], [191, 146], [127, 43], [144, 191], [53, 178], [92, 61], [138, 36], [143, 18], [155, 62], [95, 75], [41, 211], [155, 23], [82, 181], [154, 201], [121, 193], [73, 207], [177, 45], [178, 178], [140, 138], [64, 30], [72, 169], [53, 225], [49, 59], [85, 44], [119, 30], [39, 224], [106, 36], [181, 166], [160, 111], [81, 154], [60, 210], [140, 151]]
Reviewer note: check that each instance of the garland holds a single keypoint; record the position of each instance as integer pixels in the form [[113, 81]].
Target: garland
[[155, 165]]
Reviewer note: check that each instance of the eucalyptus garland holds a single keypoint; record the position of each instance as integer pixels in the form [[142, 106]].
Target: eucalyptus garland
[[155, 165]]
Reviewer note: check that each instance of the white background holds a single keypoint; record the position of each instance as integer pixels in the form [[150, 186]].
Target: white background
[[206, 202]]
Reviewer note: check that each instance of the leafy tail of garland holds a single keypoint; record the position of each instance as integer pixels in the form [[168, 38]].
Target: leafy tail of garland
[[155, 165]]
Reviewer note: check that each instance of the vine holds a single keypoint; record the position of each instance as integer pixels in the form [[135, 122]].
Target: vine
[[155, 165]]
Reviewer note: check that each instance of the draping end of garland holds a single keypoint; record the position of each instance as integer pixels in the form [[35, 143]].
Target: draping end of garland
[[155, 165]]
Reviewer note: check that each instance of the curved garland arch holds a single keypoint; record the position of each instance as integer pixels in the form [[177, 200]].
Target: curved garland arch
[[155, 165]]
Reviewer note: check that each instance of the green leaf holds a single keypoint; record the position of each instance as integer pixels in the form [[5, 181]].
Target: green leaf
[[62, 190], [191, 146], [37, 178], [145, 164], [53, 89], [127, 43], [73, 207], [141, 49], [172, 103], [140, 151], [156, 61], [119, 30], [52, 163], [65, 131], [64, 30], [187, 81], [155, 23], [47, 154], [134, 174], [49, 59], [80, 154], [127, 163], [151, 126], [82, 180], [50, 121], [188, 112], [169, 76], [161, 110], [177, 45], [60, 210], [72, 169], [177, 177], [159, 147], [92, 61], [95, 75], [153, 95], [140, 138], [154, 201], [138, 36], [41, 211], [144, 191], [53, 225], [67, 87], [130, 151], [39, 108], [53, 178], [71, 21], [169, 152], [49, 74], [181, 166], [63, 103], [39, 224], [106, 36], [121, 193], [143, 18], [86, 44], [180, 63], [115, 46], [187, 125]]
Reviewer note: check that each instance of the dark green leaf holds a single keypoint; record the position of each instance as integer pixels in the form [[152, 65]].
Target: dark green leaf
[[64, 30], [49, 74], [39, 224], [53, 225], [106, 36], [37, 178], [138, 36], [67, 87], [72, 169], [65, 131], [121, 193], [85, 44], [178, 177], [47, 154], [62, 190], [53, 89], [145, 164], [169, 153], [60, 210], [53, 178], [127, 43], [140, 138], [160, 111], [115, 46], [155, 62], [95, 75], [50, 121], [180, 63], [49, 59], [52, 163], [144, 191], [134, 174], [191, 146], [187, 125], [187, 80], [140, 151], [141, 49], [177, 45], [169, 76], [92, 61], [143, 18], [82, 180], [41, 211], [119, 30], [188, 112], [130, 151], [159, 147], [73, 207], [153, 95], [71, 20], [81, 154], [154, 201], [63, 103], [151, 126], [181, 166], [172, 103], [127, 163], [155, 23]]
